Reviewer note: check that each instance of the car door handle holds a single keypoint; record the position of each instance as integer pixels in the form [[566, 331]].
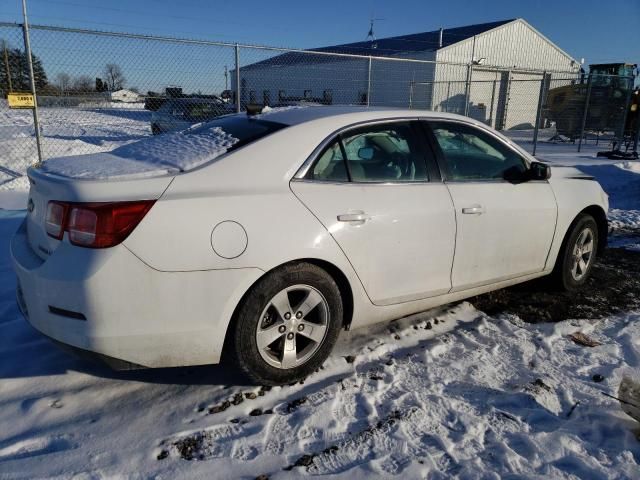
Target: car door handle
[[353, 217], [473, 210]]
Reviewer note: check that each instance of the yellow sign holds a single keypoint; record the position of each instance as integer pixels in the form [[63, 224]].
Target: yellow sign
[[20, 100]]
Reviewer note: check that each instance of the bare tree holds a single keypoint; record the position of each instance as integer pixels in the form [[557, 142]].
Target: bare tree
[[114, 78], [63, 80], [83, 83]]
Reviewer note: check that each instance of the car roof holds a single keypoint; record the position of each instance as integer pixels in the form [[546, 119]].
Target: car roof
[[295, 115]]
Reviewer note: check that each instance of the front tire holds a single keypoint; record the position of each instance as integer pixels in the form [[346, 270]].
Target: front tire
[[577, 255], [287, 324]]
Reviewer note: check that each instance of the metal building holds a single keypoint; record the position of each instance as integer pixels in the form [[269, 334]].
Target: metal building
[[489, 71]]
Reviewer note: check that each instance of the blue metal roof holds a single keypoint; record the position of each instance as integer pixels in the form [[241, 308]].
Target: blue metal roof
[[386, 47]]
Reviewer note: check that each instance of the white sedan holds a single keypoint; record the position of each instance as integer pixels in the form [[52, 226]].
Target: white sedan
[[257, 238]]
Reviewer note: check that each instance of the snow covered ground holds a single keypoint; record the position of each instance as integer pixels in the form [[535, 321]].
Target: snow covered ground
[[450, 393]]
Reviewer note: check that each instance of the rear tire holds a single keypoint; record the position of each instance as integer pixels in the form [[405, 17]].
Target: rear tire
[[577, 254], [287, 324]]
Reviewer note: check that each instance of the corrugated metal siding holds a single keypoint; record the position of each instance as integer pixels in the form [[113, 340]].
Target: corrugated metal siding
[[510, 51], [391, 83], [515, 44], [484, 96], [449, 90], [346, 78]]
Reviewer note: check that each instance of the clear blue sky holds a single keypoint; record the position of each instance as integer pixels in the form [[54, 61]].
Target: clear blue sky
[[596, 30], [599, 30]]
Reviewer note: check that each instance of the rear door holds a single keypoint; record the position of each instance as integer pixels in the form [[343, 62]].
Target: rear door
[[377, 191], [504, 230]]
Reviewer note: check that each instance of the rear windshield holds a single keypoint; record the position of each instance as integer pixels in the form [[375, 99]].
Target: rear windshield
[[244, 128]]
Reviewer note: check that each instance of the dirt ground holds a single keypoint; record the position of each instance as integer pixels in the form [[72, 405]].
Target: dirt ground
[[614, 287]]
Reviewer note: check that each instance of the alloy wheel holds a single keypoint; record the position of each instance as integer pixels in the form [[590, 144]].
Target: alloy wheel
[[292, 327], [582, 254]]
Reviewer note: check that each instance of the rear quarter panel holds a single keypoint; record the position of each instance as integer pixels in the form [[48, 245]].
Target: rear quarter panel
[[250, 187]]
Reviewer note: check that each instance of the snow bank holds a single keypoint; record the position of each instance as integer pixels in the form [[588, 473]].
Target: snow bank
[[162, 154]]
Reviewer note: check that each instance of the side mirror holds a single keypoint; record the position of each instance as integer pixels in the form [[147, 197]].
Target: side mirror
[[365, 153], [539, 171]]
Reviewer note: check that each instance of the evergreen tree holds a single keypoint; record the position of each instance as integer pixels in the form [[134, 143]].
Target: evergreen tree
[[100, 86], [19, 71]]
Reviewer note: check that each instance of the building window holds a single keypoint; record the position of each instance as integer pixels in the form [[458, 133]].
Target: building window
[[307, 94]]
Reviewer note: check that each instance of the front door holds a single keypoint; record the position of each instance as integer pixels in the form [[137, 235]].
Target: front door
[[505, 229], [372, 190]]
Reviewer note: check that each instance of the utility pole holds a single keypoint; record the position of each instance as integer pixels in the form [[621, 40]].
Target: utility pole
[[27, 51], [6, 65], [226, 78]]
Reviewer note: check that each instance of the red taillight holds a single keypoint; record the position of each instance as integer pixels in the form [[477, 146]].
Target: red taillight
[[54, 220], [97, 225], [82, 226]]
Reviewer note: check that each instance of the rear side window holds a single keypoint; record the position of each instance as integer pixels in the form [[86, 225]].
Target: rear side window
[[244, 128], [385, 153], [330, 166], [390, 152], [473, 155]]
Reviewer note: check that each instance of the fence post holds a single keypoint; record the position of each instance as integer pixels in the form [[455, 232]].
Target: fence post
[[369, 82], [238, 87], [637, 139], [467, 91], [32, 81], [411, 94], [539, 111], [446, 104], [586, 110]]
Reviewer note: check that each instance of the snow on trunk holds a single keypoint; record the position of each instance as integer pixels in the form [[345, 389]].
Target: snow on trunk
[[163, 154]]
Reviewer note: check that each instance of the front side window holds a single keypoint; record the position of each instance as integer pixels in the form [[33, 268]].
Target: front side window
[[471, 154], [381, 153]]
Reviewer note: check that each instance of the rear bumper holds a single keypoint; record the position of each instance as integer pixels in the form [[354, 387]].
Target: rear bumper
[[110, 303]]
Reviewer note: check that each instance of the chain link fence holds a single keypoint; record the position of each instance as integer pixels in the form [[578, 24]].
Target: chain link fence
[[98, 90]]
